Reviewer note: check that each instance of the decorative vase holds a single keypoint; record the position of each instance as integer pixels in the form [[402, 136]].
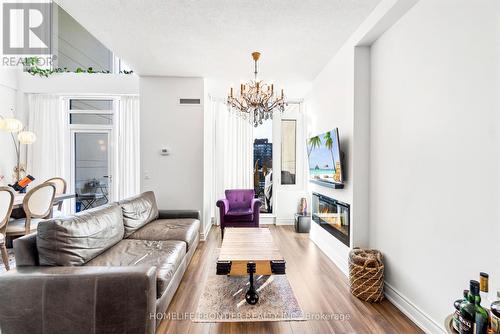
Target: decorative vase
[[303, 206]]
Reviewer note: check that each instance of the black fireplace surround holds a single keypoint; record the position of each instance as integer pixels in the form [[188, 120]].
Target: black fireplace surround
[[333, 216]]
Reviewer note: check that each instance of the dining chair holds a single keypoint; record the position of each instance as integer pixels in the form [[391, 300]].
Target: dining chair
[[37, 205], [6, 203], [60, 185]]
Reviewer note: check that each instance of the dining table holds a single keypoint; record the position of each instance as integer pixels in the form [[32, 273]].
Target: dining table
[[18, 199]]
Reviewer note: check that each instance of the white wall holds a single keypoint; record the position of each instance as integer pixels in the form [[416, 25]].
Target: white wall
[[435, 163], [211, 90], [330, 104], [339, 97], [177, 179]]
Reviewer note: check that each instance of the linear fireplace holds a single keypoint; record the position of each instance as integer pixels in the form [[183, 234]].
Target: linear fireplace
[[333, 216]]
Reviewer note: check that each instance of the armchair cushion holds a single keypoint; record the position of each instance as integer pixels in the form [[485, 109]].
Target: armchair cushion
[[243, 214]]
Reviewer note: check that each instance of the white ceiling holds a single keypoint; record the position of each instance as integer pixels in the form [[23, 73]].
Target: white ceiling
[[214, 38]]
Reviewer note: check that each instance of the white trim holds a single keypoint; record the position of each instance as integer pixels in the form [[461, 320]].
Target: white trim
[[204, 234], [109, 129], [412, 311], [401, 302], [7, 86], [267, 219], [285, 221]]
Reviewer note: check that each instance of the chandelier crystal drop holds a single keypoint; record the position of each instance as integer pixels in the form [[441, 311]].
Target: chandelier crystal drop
[[256, 100]]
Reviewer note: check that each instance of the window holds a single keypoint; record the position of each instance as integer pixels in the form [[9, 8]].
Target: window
[[99, 119], [88, 104], [90, 112], [288, 151]]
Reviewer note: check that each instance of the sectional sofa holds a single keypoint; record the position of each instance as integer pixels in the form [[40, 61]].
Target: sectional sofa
[[111, 269]]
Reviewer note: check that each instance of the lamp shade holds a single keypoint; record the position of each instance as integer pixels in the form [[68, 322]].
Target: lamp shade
[[26, 137], [11, 125]]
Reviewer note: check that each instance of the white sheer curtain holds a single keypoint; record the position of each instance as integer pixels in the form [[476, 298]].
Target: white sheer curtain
[[48, 156], [127, 173], [233, 151]]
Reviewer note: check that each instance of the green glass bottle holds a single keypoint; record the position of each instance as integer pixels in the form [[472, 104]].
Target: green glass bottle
[[468, 309], [456, 314], [481, 318]]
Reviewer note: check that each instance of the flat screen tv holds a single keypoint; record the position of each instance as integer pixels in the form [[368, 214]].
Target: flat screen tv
[[325, 164]]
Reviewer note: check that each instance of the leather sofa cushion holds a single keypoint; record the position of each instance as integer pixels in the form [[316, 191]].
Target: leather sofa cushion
[[184, 229], [138, 211], [166, 256], [75, 240]]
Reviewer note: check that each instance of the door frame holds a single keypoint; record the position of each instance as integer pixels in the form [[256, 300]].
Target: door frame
[[297, 116], [109, 129]]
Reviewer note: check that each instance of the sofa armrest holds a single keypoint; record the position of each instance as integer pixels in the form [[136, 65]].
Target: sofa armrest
[[25, 250], [173, 214], [223, 205], [78, 300], [256, 204]]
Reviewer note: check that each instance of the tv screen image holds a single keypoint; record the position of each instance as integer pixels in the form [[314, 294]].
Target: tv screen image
[[324, 155]]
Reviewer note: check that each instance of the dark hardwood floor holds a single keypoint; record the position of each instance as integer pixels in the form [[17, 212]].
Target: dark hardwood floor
[[319, 286]]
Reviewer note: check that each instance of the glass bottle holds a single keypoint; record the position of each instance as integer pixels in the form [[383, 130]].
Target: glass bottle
[[495, 315], [481, 317], [468, 309], [456, 314]]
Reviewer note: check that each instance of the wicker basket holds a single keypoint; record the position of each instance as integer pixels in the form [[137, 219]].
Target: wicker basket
[[366, 274]]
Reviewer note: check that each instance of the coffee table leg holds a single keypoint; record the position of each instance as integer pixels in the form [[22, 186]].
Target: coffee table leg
[[251, 296]]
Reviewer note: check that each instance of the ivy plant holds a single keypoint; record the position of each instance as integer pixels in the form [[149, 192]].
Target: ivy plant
[[31, 66]]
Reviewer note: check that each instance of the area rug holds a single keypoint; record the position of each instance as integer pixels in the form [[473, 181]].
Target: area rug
[[223, 300]]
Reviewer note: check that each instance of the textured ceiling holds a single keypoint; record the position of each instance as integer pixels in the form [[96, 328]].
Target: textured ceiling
[[214, 38]]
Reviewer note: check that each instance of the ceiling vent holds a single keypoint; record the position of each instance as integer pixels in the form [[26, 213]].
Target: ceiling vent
[[189, 101]]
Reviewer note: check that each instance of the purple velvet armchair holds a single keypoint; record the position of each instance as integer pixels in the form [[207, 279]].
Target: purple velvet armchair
[[239, 209]]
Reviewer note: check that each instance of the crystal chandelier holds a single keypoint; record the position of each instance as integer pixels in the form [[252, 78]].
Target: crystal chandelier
[[256, 100]]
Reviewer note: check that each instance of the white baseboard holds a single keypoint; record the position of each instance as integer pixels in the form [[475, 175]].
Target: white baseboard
[[285, 221], [204, 234], [419, 317], [326, 243], [267, 220]]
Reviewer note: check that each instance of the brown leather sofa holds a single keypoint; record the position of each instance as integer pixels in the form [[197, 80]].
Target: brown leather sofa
[[111, 269]]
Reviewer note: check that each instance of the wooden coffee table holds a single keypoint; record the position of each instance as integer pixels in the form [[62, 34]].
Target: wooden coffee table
[[249, 251]]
